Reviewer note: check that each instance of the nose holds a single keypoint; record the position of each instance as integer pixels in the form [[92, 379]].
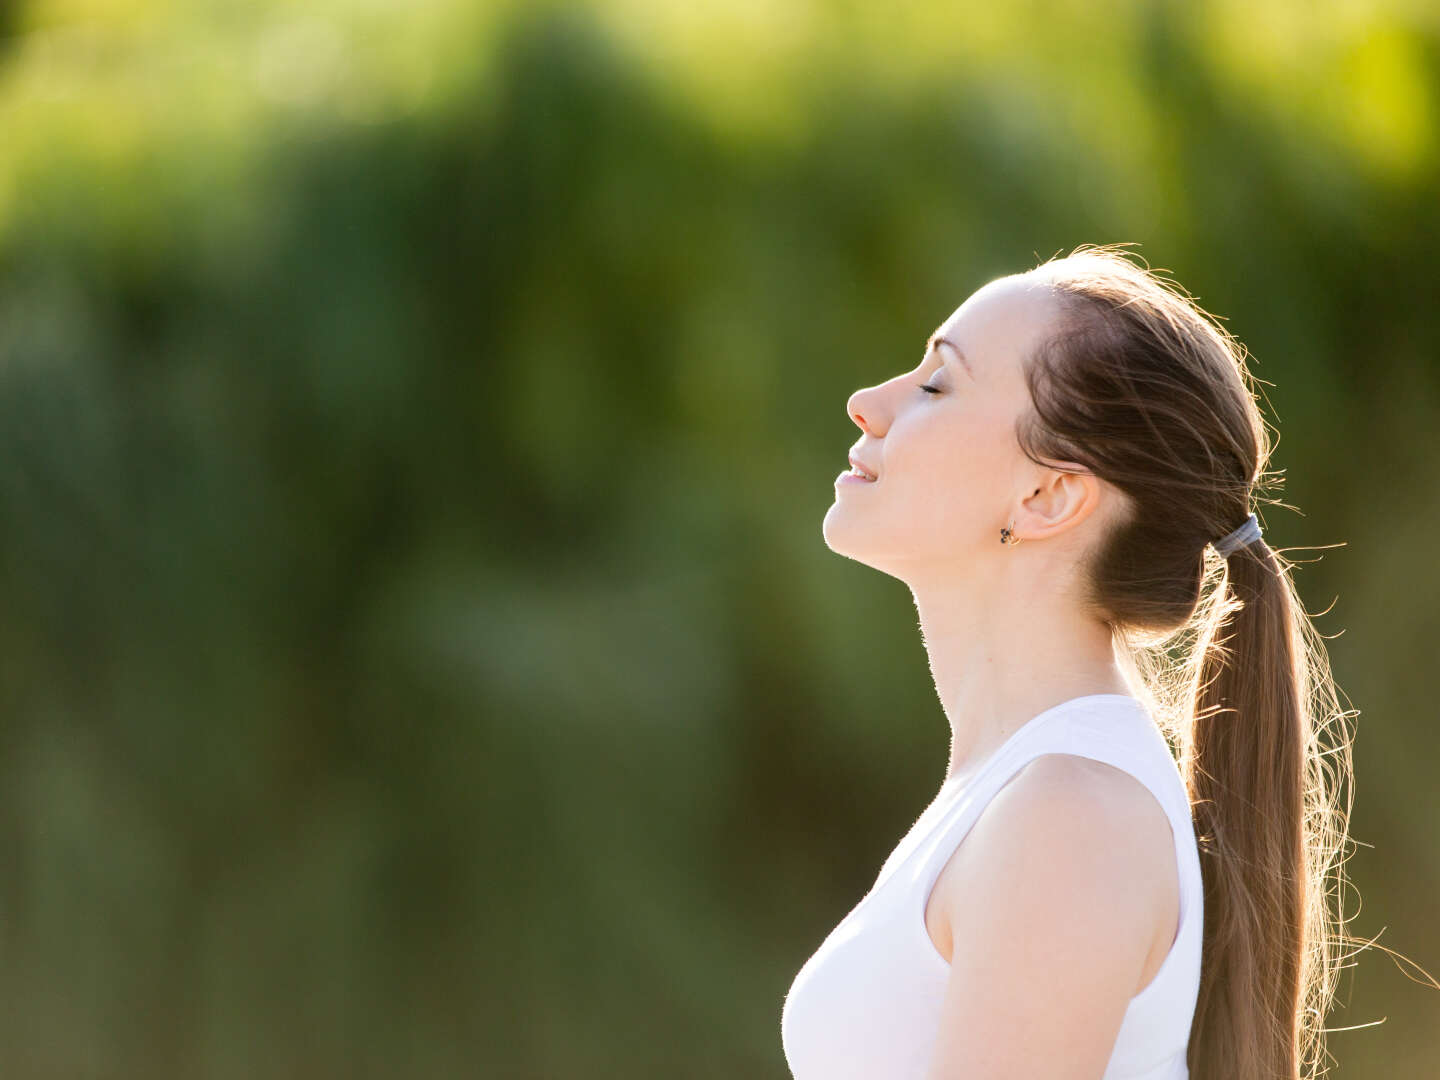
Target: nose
[[862, 408]]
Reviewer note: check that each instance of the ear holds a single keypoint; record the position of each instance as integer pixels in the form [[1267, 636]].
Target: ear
[[1064, 497]]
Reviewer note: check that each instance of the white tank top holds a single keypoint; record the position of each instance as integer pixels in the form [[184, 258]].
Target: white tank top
[[867, 1003]]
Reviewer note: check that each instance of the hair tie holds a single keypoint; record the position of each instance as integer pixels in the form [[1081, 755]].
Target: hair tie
[[1247, 533]]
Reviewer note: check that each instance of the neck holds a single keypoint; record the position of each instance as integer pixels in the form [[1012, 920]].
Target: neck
[[1002, 652]]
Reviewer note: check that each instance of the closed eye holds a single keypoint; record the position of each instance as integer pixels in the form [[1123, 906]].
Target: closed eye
[[929, 389]]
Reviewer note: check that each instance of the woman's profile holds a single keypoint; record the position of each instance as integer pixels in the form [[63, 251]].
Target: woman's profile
[[1129, 868]]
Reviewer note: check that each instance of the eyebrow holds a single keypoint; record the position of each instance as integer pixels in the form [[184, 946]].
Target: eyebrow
[[938, 340]]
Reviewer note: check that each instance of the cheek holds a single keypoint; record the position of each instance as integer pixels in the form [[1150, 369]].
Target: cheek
[[969, 465], [962, 442], [991, 449]]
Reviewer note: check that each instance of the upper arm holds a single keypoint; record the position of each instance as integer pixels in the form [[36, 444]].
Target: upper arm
[[1052, 924]]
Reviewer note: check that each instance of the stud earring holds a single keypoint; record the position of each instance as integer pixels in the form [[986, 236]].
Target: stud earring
[[1007, 536]]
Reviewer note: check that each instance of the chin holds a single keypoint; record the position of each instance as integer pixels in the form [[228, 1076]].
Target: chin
[[840, 535], [833, 530]]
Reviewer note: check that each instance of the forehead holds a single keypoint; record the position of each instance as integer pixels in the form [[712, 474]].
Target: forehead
[[1000, 322]]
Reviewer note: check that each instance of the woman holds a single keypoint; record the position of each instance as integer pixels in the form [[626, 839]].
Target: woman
[[1074, 902]]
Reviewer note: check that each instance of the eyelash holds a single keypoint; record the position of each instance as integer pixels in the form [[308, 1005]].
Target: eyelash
[[929, 389]]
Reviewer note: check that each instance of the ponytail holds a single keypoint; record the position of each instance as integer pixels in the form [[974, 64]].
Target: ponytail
[[1269, 828]]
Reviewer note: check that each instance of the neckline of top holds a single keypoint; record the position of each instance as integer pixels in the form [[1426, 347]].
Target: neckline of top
[[1045, 714]]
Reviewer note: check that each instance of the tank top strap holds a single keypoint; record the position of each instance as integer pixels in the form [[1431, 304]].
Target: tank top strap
[[1115, 729], [1112, 728]]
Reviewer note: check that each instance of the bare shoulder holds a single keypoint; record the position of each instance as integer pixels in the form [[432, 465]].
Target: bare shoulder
[[1073, 782], [1061, 904], [1069, 831], [1096, 823]]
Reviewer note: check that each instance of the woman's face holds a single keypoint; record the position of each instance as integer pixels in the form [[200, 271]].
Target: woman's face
[[949, 471]]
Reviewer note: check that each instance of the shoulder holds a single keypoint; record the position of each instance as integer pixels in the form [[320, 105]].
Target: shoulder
[[1085, 824], [1058, 783], [1060, 886]]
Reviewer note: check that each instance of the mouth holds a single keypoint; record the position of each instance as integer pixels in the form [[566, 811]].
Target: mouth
[[858, 470]]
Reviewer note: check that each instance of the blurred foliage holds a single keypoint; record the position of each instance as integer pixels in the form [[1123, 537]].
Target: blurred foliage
[[418, 651]]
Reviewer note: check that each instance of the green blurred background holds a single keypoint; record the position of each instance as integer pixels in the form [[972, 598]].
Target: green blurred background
[[419, 652]]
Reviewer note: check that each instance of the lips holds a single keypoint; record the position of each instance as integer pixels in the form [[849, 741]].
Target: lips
[[868, 472]]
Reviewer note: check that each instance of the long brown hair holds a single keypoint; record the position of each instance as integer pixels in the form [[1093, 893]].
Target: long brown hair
[[1144, 389]]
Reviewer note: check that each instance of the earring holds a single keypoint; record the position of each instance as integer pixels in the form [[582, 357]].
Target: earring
[[1007, 536]]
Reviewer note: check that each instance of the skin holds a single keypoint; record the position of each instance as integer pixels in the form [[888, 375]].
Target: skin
[[1069, 842]]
